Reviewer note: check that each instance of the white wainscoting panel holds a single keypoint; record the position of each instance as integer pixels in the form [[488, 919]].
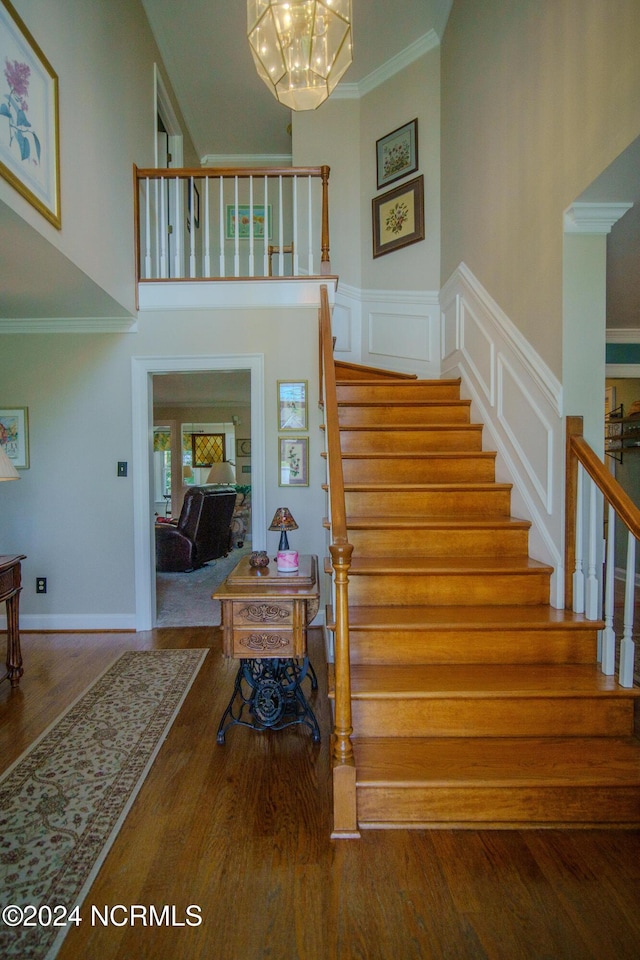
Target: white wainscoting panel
[[519, 400]]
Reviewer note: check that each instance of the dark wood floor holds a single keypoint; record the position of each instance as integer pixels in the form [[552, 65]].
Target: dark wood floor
[[242, 830]]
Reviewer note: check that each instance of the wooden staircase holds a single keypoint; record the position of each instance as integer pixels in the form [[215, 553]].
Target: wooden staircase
[[474, 702]]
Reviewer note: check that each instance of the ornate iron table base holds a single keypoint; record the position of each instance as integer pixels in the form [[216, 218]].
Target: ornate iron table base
[[267, 695]]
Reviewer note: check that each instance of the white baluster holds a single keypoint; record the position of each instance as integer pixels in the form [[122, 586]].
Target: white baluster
[[266, 229], [177, 231], [147, 221], [207, 239], [294, 258], [223, 266], [578, 576], [592, 592], [251, 260], [310, 216], [163, 229], [280, 233], [608, 634], [157, 226], [236, 255], [627, 646], [192, 245]]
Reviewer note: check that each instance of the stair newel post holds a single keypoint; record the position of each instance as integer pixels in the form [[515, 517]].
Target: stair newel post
[[325, 263], [345, 822], [574, 429]]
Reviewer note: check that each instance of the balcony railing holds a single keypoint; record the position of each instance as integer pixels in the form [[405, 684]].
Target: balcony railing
[[222, 223]]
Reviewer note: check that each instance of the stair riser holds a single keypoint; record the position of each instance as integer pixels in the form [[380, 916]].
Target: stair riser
[[476, 806], [469, 646], [410, 441], [488, 716], [493, 502], [438, 470], [379, 416], [419, 393], [439, 543], [447, 589]]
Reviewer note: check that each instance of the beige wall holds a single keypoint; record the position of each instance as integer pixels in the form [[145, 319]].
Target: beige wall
[[538, 97], [103, 52]]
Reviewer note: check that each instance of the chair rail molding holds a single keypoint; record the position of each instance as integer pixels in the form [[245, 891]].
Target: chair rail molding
[[519, 400]]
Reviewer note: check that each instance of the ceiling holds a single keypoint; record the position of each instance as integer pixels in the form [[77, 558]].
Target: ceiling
[[225, 388], [227, 108]]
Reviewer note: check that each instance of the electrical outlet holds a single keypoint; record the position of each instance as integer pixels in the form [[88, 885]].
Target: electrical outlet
[[41, 584]]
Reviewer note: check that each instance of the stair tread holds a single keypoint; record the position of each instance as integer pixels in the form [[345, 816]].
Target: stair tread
[[436, 681], [428, 455], [483, 617], [404, 403], [417, 566], [406, 427], [377, 486], [570, 761], [436, 523]]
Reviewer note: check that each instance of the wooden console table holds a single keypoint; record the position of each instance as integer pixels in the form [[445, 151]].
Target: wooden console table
[[10, 587], [264, 619]]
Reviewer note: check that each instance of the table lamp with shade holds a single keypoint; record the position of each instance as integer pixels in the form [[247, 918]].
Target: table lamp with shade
[[283, 521], [222, 474], [7, 469]]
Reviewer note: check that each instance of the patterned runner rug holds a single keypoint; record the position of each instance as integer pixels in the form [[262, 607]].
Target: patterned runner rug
[[64, 800]]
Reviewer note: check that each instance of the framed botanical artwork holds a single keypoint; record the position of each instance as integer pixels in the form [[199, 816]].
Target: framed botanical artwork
[[14, 435], [398, 217], [244, 222], [292, 405], [294, 462], [397, 154], [29, 126]]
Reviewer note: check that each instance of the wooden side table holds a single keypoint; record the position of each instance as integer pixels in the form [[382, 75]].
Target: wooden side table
[[10, 587], [264, 619]]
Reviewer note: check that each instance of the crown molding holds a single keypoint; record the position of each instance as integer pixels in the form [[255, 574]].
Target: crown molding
[[623, 335], [353, 91], [594, 218]]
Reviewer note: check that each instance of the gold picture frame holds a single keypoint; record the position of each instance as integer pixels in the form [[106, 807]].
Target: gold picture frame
[[398, 217]]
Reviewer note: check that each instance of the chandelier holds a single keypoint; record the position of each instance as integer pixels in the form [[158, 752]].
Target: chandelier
[[301, 48]]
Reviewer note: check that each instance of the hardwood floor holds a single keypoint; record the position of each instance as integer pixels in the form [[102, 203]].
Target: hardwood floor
[[242, 830]]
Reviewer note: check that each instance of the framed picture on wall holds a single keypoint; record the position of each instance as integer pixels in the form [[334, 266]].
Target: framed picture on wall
[[398, 217], [292, 405], [294, 462], [14, 435], [397, 154], [29, 137]]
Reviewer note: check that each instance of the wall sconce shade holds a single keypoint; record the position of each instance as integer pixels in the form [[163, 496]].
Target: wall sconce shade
[[7, 469], [301, 48], [283, 521], [222, 473]]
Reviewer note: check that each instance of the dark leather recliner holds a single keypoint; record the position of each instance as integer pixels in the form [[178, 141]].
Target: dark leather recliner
[[203, 532]]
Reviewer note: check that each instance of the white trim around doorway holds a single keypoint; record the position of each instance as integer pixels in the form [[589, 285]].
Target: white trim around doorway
[[142, 370]]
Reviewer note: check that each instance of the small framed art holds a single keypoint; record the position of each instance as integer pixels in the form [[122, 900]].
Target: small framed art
[[244, 221], [292, 405], [14, 435], [29, 132], [294, 462], [398, 217], [397, 154]]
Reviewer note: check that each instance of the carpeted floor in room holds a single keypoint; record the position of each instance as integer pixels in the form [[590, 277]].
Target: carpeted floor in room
[[184, 599]]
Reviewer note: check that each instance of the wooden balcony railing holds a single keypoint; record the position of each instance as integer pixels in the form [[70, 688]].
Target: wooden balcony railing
[[343, 762], [221, 223], [590, 486]]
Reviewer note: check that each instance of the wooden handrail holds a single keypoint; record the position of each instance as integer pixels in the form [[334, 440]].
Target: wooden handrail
[[579, 451], [343, 762], [199, 173]]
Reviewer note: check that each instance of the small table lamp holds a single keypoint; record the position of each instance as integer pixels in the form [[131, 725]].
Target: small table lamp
[[222, 474], [7, 469], [283, 521]]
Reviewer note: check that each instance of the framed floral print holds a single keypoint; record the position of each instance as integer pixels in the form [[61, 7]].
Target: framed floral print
[[398, 217], [294, 462], [397, 154], [29, 136], [14, 435], [292, 405]]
